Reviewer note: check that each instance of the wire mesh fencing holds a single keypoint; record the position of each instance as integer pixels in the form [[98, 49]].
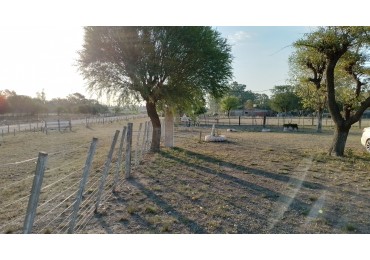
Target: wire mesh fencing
[[74, 184]]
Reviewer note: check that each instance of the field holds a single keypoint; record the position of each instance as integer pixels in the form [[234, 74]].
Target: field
[[256, 182]]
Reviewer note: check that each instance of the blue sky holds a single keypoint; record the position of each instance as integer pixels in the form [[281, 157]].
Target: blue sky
[[39, 42], [261, 53], [47, 60]]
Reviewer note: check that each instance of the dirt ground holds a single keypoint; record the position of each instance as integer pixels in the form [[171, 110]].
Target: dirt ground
[[255, 183]]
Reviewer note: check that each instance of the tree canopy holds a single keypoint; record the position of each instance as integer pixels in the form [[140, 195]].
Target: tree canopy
[[307, 69], [343, 47], [284, 99], [163, 66]]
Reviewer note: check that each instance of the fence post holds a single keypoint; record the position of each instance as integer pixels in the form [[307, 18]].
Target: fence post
[[128, 150], [46, 127], [119, 161], [148, 133], [70, 125], [106, 170], [35, 192], [144, 139], [85, 176], [137, 144], [8, 129]]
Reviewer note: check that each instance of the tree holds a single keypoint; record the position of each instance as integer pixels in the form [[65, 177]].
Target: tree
[[3, 102], [262, 101], [228, 103], [307, 67], [158, 65], [348, 45], [284, 99]]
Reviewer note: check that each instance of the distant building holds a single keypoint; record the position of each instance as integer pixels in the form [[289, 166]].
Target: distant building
[[250, 112]]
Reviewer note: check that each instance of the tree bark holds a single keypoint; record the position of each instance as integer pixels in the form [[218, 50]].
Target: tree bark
[[339, 140], [156, 123]]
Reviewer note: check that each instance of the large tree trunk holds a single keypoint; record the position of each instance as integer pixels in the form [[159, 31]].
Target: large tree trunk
[[339, 140], [341, 128], [156, 123]]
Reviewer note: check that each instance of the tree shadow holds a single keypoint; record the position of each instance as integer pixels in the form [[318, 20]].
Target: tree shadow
[[257, 172], [194, 227], [294, 203]]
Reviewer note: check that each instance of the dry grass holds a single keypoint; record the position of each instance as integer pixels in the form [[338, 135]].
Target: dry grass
[[256, 182], [274, 182]]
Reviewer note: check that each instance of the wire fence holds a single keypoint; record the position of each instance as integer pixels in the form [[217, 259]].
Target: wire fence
[[79, 179], [74, 184], [267, 121], [46, 126]]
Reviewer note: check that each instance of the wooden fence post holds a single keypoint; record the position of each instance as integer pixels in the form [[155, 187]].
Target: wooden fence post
[[106, 170], [85, 176], [119, 161], [70, 125], [46, 127], [35, 192], [128, 151]]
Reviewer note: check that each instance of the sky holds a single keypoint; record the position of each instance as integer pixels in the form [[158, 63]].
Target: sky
[[39, 40], [44, 58]]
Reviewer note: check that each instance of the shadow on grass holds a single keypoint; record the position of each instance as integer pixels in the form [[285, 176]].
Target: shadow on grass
[[272, 195], [194, 227], [265, 174]]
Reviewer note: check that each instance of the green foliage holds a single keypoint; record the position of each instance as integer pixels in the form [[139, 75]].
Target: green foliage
[[284, 99], [307, 68], [345, 49], [228, 103], [10, 102], [163, 66], [175, 65]]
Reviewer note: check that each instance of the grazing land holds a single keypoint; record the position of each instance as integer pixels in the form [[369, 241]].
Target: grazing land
[[256, 182]]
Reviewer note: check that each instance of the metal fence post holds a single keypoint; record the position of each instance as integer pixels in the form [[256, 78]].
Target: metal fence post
[[106, 169], [85, 176], [35, 192], [119, 161], [144, 139], [128, 150], [137, 144]]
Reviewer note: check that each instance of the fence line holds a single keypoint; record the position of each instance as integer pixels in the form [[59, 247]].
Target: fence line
[[64, 207]]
